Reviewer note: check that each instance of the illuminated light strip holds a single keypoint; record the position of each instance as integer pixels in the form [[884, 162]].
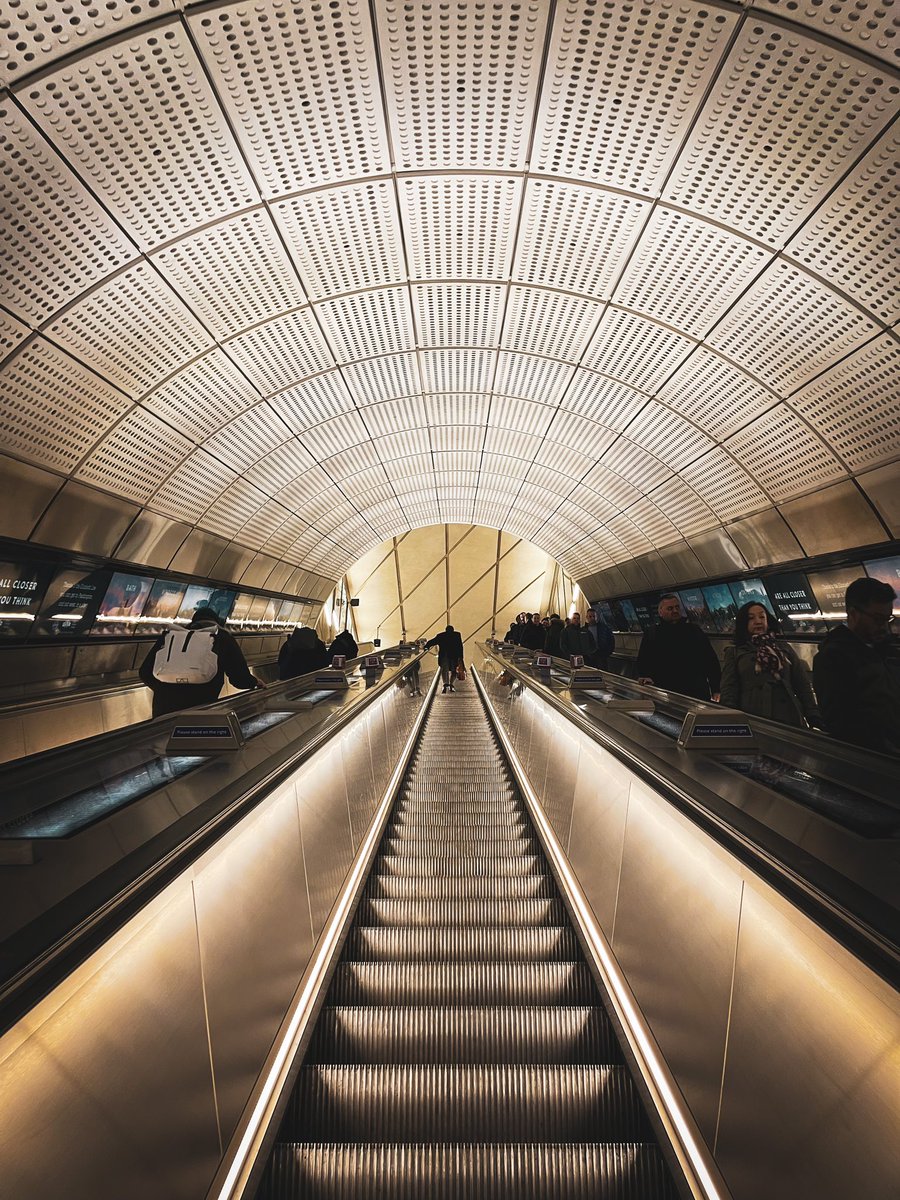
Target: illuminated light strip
[[16, 616], [700, 1171], [247, 1151]]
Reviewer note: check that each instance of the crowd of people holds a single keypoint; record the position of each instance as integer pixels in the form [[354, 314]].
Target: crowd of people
[[593, 640]]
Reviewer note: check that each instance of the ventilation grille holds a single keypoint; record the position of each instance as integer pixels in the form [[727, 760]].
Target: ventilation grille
[[802, 462], [459, 228], [202, 396], [282, 352], [12, 333], [135, 458]]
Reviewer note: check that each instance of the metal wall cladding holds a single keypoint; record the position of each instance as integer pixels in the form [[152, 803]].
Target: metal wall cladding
[[882, 486], [765, 538], [33, 489], [152, 540], [82, 518], [784, 1046], [833, 519]]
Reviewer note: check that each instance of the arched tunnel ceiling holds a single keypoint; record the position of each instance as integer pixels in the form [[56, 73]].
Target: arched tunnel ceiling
[[603, 274]]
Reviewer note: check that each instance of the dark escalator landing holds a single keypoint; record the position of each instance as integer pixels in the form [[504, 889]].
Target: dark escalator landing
[[463, 1050]]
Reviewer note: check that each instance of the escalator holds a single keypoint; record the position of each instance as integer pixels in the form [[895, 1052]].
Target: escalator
[[462, 1049]]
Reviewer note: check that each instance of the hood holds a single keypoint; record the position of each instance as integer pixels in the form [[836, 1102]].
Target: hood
[[303, 639]]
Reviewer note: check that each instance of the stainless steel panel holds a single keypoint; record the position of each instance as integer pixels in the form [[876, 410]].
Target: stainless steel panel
[[32, 664], [614, 582], [682, 562], [835, 518], [656, 567], [356, 758], [597, 831], [294, 584], [675, 933], [231, 563], [813, 1071], [325, 831], [199, 553], [883, 489], [101, 658], [69, 723], [255, 942], [258, 570], [558, 792], [539, 748], [278, 577], [152, 540], [765, 539], [99, 1062], [33, 489], [635, 578], [81, 518], [12, 737], [716, 553], [126, 707]]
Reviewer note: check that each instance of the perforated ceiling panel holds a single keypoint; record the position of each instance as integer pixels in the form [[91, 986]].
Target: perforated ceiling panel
[[306, 275]]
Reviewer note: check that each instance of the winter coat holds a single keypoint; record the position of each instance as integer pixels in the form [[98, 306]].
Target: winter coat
[[512, 634], [450, 648], [605, 643], [533, 636], [552, 642], [172, 697], [575, 639], [343, 644], [304, 651], [678, 656], [788, 699], [858, 686]]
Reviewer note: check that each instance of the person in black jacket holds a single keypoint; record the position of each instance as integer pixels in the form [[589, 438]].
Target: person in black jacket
[[172, 697], [450, 655], [857, 671], [344, 644], [677, 655], [533, 634], [554, 633], [304, 651]]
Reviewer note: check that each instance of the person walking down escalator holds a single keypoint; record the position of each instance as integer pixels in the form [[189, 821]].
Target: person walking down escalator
[[762, 675], [304, 651], [450, 655], [677, 655]]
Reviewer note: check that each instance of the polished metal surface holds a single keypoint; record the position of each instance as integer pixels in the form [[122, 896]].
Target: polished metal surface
[[33, 490], [882, 486], [83, 518], [833, 519], [152, 540], [765, 538], [717, 554], [198, 553]]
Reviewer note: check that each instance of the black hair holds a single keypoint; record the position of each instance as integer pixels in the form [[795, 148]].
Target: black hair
[[667, 596], [206, 614], [868, 591], [742, 620]]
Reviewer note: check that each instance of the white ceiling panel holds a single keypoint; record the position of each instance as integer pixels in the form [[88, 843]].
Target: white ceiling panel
[[392, 416], [789, 327], [281, 467], [317, 399], [284, 537], [265, 523], [111, 328], [12, 333], [580, 435], [384, 378], [233, 275], [136, 456], [368, 324], [715, 394], [652, 522], [576, 238], [52, 409], [248, 438], [344, 239], [549, 323], [300, 85], [233, 509], [467, 439], [55, 239], [856, 405], [603, 400], [532, 377], [202, 396], [457, 370], [282, 352], [463, 83], [591, 503], [802, 462], [620, 93], [456, 409], [548, 480], [142, 124], [670, 438], [502, 440], [402, 445], [633, 539], [479, 214], [683, 507], [458, 314], [723, 485], [634, 350], [573, 463], [713, 268], [635, 464], [867, 24], [504, 466], [611, 487], [352, 460], [303, 487], [193, 487], [331, 437], [525, 416]]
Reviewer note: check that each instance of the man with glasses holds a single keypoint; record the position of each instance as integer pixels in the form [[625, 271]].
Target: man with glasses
[[857, 671]]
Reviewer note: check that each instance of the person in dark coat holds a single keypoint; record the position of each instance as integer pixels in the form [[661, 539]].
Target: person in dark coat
[[172, 697], [554, 633], [344, 644], [533, 634], [762, 674], [450, 655], [603, 638], [304, 651], [512, 634], [677, 655], [857, 671], [575, 639]]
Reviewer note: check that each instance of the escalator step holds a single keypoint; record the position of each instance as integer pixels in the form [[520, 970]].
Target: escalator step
[[526, 1034], [504, 866], [424, 820], [442, 804], [461, 1103], [458, 912], [423, 983], [451, 841], [368, 943], [577, 1171], [446, 887]]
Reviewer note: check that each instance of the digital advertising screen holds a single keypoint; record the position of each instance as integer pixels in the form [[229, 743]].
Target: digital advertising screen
[[22, 587], [888, 571], [220, 600], [240, 611], [745, 590], [697, 610], [721, 605], [645, 609], [604, 611], [828, 588], [618, 620], [122, 605], [630, 614], [71, 602], [162, 607], [794, 603]]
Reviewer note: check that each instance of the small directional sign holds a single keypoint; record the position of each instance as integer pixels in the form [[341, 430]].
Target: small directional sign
[[205, 731]]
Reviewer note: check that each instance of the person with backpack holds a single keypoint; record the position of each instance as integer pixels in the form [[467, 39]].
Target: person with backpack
[[304, 651], [344, 644], [186, 667]]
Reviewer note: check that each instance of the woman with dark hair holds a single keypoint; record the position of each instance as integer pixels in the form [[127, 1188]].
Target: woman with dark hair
[[762, 675]]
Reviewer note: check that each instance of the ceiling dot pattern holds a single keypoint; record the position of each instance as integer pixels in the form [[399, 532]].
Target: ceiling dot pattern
[[307, 276]]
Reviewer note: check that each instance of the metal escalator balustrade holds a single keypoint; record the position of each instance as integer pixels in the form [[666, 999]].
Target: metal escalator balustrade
[[462, 1050]]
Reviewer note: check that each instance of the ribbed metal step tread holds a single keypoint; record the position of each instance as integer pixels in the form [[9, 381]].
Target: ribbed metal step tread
[[455, 807], [462, 983], [369, 943], [460, 912], [456, 887], [465, 819], [452, 1103], [578, 1171], [499, 1034], [452, 841], [501, 865]]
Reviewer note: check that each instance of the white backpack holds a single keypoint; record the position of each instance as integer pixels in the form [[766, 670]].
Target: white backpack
[[187, 656]]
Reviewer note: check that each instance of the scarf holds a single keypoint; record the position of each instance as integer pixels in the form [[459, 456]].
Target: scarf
[[768, 657]]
